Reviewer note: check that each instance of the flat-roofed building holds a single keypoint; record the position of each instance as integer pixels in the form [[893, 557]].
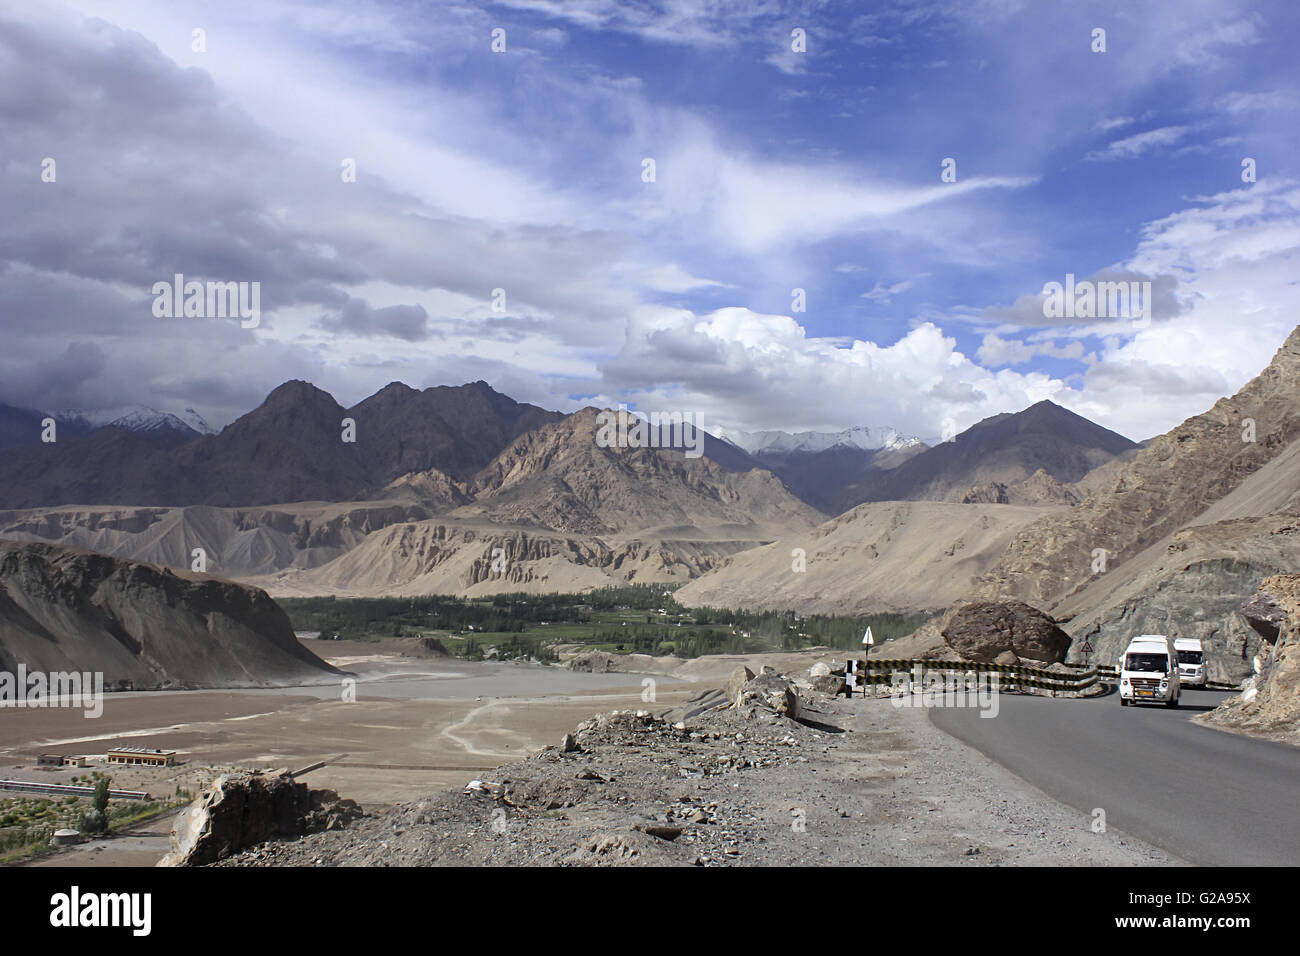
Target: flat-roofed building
[[142, 756], [49, 760]]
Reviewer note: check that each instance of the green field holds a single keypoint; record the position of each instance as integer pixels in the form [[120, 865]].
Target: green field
[[636, 619], [28, 822]]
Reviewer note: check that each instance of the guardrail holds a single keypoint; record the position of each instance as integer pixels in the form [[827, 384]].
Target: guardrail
[[67, 789], [1112, 673], [871, 672], [879, 671]]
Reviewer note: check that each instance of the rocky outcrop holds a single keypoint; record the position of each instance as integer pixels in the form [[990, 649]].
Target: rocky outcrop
[[992, 493], [1040, 488], [1199, 600], [559, 476], [237, 542], [244, 809], [141, 626], [770, 691], [822, 680], [736, 682], [1004, 632], [513, 558], [1270, 703]]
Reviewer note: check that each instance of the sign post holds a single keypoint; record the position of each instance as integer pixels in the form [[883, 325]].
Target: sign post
[[867, 642]]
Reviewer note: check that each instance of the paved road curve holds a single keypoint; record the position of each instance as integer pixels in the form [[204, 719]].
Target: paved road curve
[[1206, 796]]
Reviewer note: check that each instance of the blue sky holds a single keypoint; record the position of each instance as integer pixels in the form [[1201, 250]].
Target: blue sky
[[775, 170]]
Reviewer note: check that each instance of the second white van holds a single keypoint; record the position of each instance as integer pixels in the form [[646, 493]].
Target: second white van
[[1191, 661]]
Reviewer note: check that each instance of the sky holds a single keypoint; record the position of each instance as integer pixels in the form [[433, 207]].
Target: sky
[[853, 212]]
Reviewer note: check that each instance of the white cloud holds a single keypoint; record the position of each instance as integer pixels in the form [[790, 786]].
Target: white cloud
[[1139, 143], [707, 24], [673, 278], [1235, 255], [755, 204], [1201, 47], [1269, 101], [1115, 122], [998, 351], [747, 370], [884, 293]]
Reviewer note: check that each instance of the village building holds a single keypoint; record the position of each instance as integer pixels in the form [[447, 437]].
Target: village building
[[142, 757]]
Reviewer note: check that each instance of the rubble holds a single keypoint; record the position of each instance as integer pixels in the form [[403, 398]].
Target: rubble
[[244, 809], [712, 784]]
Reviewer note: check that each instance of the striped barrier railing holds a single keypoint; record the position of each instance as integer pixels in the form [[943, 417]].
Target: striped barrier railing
[[876, 672], [1083, 676], [1112, 673]]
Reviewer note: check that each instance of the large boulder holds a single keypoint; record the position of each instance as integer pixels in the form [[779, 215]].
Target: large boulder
[[1271, 701], [243, 809], [832, 684], [771, 691], [1004, 632], [739, 678]]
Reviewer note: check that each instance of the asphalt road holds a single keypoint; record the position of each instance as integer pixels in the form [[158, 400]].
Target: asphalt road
[[1206, 796]]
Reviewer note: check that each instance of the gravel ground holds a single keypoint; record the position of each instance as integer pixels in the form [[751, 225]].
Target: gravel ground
[[852, 782]]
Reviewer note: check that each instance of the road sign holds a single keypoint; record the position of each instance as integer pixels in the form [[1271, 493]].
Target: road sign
[[1087, 647], [867, 639]]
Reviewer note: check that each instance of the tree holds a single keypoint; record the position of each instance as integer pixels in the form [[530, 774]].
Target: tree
[[100, 800]]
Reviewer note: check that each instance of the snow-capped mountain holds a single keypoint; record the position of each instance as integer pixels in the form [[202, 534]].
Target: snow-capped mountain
[[784, 443], [138, 418]]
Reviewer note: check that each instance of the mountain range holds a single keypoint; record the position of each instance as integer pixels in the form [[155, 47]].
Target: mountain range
[[463, 490], [138, 418], [774, 442], [23, 426], [434, 486]]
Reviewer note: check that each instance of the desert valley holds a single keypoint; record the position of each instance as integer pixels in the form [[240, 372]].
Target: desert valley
[[638, 434], [164, 579]]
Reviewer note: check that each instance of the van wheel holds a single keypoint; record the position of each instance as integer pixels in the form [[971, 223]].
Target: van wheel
[[1123, 701]]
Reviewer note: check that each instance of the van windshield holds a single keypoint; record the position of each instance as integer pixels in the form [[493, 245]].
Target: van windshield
[[1146, 662], [1189, 657]]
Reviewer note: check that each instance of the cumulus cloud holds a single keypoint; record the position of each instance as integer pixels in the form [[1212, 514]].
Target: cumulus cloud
[[748, 370]]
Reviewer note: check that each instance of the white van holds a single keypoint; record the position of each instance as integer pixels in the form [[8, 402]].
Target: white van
[[1191, 661], [1148, 672]]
